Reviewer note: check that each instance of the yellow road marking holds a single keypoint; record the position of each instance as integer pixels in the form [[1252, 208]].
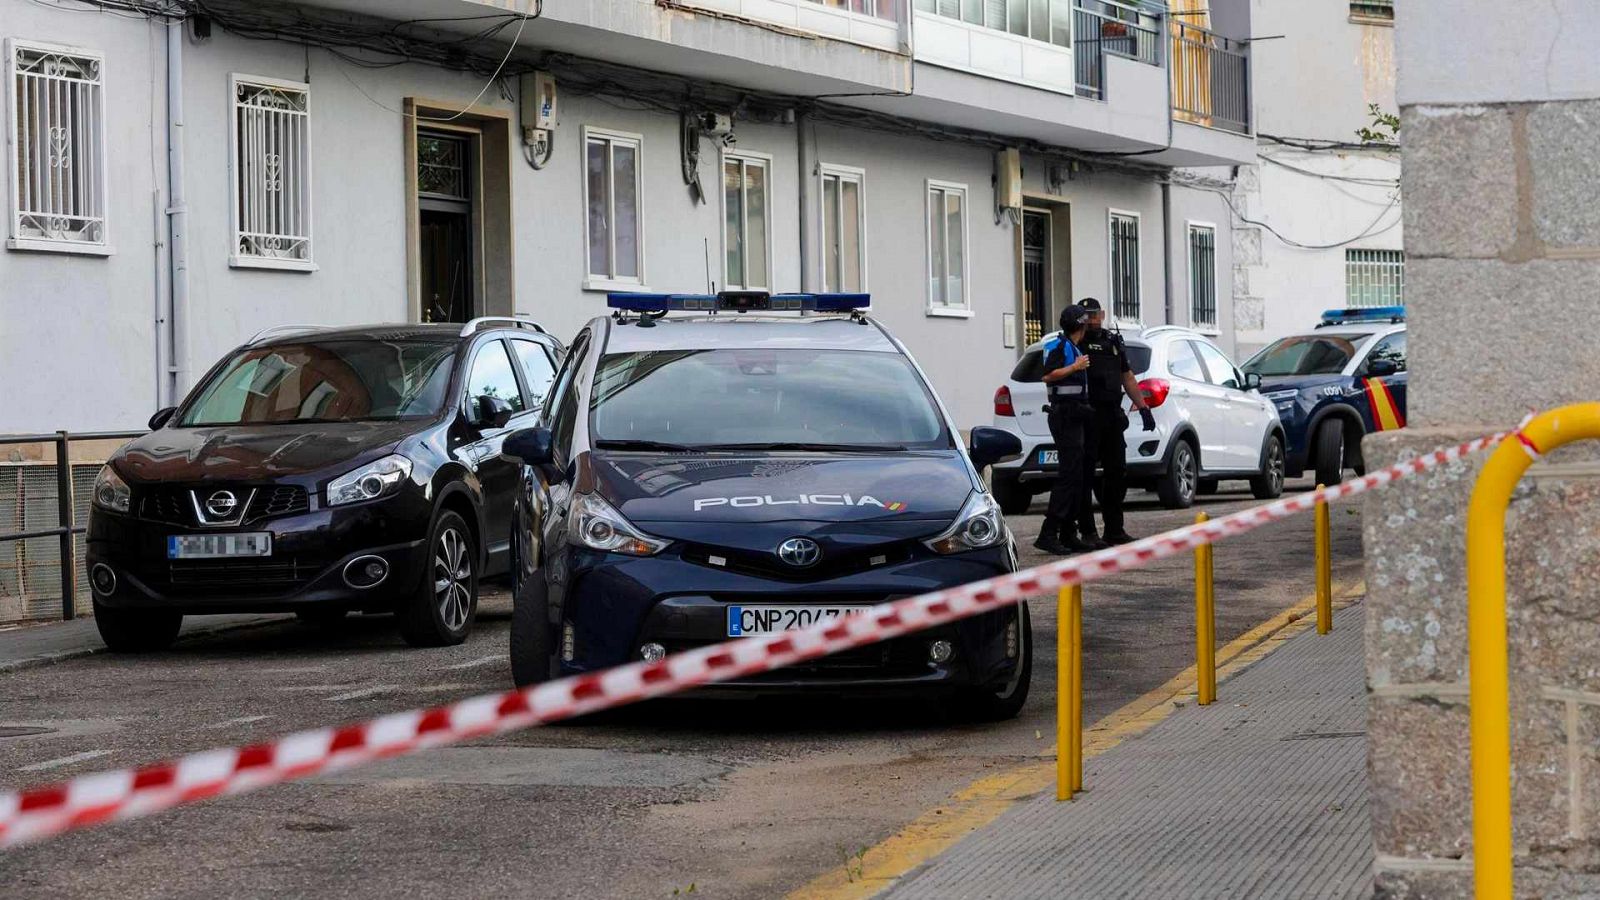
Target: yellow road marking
[[982, 801]]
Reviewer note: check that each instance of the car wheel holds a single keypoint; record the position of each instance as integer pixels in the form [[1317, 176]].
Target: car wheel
[[440, 611], [1014, 499], [533, 658], [1182, 479], [1269, 484], [996, 703], [136, 630], [1330, 452]]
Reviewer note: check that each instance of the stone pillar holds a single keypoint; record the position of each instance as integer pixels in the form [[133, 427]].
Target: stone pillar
[[1501, 178]]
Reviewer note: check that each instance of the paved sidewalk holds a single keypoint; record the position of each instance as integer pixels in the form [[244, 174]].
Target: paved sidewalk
[[38, 645], [1262, 795]]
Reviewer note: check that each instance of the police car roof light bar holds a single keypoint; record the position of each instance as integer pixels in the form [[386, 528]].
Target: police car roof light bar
[[1364, 314], [738, 301]]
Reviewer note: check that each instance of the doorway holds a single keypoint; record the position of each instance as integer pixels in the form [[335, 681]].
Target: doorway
[[445, 220], [1036, 274]]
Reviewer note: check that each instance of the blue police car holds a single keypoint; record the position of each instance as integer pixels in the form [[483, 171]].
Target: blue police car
[[1335, 385], [715, 467]]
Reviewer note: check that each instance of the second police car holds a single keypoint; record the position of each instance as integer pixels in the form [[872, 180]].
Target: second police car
[[1343, 381], [732, 472]]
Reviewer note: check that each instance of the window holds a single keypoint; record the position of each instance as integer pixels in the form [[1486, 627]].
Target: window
[[1375, 277], [271, 159], [492, 376], [844, 218], [1203, 277], [1125, 266], [561, 413], [1218, 369], [1390, 349], [342, 381], [1372, 11], [744, 209], [537, 372], [947, 248], [58, 148], [611, 192], [1041, 20], [1182, 363]]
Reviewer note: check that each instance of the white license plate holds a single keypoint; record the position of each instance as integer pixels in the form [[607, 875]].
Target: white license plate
[[749, 621], [215, 546], [1049, 457]]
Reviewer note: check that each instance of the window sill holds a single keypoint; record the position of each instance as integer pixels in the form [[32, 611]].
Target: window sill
[[43, 246], [949, 313], [607, 285], [1207, 330], [263, 262]]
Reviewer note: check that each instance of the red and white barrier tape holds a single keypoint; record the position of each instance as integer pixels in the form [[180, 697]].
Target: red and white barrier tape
[[34, 814]]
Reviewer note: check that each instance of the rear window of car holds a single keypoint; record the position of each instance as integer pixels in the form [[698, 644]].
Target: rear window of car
[[1030, 368]]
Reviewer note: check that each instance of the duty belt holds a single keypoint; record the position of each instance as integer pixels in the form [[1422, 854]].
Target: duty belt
[[1068, 390]]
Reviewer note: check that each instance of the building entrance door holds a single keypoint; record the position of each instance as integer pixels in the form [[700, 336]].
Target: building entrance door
[[1036, 275], [445, 226]]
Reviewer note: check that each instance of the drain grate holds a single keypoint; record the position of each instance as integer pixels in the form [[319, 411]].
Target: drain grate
[[12, 731]]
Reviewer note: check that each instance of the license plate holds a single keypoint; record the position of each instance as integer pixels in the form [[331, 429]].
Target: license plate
[[1049, 457], [749, 621], [215, 546]]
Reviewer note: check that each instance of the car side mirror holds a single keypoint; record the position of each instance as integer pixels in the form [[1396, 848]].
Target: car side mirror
[[1380, 368], [988, 446], [493, 412], [162, 417], [1252, 381], [531, 445]]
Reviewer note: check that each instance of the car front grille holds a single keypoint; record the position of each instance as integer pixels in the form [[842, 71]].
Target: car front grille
[[767, 565], [175, 506], [283, 500], [240, 576]]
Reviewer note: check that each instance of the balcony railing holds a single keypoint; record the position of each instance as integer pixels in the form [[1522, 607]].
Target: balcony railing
[[888, 10], [1102, 27], [1210, 78]]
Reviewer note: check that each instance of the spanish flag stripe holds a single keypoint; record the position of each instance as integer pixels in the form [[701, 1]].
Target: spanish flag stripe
[[1385, 412]]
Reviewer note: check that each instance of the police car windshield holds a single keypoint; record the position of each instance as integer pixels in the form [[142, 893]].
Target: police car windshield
[[326, 381], [778, 399], [1308, 354]]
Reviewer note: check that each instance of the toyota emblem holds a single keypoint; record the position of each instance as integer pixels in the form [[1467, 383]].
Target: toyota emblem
[[799, 552], [221, 504]]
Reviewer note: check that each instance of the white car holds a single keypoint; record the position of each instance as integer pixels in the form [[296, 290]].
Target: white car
[[1212, 424]]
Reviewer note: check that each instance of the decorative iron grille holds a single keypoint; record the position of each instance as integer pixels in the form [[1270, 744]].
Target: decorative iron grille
[[1125, 267], [1375, 277], [1202, 276], [442, 166], [58, 144], [272, 172]]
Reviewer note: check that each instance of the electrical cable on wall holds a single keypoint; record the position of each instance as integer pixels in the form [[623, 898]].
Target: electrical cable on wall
[[1370, 231]]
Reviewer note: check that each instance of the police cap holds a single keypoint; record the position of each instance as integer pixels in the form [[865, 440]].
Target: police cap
[[1073, 317], [1090, 304]]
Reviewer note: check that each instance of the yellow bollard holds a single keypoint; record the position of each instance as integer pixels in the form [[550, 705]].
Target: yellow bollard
[[1324, 568], [1069, 691], [1205, 622], [1487, 665]]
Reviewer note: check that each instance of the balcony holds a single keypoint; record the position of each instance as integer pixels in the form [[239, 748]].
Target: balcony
[[871, 23], [1104, 28], [1210, 79]]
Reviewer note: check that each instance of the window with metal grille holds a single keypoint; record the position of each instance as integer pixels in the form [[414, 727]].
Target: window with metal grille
[[1125, 266], [1375, 277], [844, 248], [746, 238], [1372, 10], [947, 248], [615, 224], [271, 159], [1203, 277], [58, 149]]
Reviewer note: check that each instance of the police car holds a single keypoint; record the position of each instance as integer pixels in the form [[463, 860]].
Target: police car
[[715, 467], [1335, 385]]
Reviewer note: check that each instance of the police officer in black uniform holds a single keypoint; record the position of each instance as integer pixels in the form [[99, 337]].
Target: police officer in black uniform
[[1066, 378], [1110, 377]]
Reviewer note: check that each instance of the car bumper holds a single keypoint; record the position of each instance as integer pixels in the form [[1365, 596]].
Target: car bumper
[[310, 553], [613, 606], [1146, 456]]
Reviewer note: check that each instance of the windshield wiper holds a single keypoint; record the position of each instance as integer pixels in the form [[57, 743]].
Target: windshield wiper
[[813, 447], [658, 446]]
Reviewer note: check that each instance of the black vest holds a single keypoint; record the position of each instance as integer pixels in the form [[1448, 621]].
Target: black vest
[[1108, 360]]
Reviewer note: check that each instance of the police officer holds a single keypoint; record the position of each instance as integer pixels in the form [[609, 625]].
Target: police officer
[[1066, 378], [1110, 377]]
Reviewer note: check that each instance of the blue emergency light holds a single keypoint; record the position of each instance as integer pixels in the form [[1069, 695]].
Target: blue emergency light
[[1357, 314], [738, 301]]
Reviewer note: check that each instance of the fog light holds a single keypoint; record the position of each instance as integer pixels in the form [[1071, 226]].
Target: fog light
[[939, 651], [1148, 448], [104, 580], [569, 643], [652, 653], [1011, 640], [365, 572]]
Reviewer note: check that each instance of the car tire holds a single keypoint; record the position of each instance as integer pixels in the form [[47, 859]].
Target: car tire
[[1330, 452], [440, 611], [1268, 485], [136, 630], [1014, 499], [1178, 485], [997, 703], [533, 657]]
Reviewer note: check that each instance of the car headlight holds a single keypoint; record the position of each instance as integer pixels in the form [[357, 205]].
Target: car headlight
[[1279, 396], [978, 525], [110, 491], [593, 523], [371, 481]]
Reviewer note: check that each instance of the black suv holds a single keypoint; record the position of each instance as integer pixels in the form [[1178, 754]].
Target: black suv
[[319, 471]]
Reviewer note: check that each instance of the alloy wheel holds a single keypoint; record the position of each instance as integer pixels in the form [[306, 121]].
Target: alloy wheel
[[452, 579], [1188, 474], [1275, 467]]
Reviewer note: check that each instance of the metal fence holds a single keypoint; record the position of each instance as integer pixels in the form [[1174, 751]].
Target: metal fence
[[1210, 78], [43, 508], [1101, 27]]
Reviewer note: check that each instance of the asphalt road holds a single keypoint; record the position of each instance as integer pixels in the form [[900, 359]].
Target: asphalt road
[[734, 798]]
